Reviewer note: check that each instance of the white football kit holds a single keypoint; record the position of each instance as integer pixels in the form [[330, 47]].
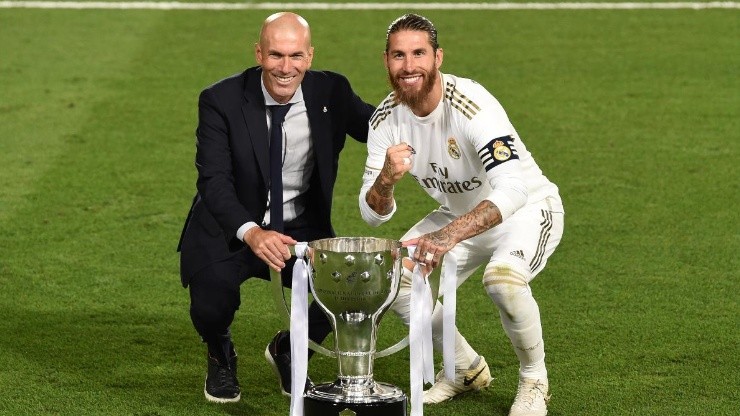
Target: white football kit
[[467, 151]]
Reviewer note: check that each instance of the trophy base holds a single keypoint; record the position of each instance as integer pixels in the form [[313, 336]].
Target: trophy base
[[328, 400]]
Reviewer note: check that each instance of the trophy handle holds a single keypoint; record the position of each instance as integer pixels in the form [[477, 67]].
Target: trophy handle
[[284, 311], [403, 343]]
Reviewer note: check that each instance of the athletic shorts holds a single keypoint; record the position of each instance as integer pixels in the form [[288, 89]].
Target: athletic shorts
[[523, 241]]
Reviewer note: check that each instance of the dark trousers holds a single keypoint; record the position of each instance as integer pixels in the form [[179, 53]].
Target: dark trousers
[[215, 296]]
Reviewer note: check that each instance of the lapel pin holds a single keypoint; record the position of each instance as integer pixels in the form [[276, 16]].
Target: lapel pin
[[325, 110]]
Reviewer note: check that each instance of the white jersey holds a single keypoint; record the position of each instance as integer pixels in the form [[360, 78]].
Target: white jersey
[[465, 151]]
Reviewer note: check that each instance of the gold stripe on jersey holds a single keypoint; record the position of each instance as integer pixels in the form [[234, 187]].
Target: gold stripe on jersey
[[383, 110], [460, 102]]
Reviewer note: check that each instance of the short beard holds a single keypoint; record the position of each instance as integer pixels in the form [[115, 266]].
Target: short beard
[[413, 99]]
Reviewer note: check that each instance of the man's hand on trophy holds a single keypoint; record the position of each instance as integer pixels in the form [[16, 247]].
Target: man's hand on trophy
[[270, 246], [430, 248]]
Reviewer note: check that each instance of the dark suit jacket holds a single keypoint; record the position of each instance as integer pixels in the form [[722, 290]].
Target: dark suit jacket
[[233, 162]]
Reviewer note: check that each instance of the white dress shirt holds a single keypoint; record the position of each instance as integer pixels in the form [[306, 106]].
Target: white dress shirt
[[298, 160]]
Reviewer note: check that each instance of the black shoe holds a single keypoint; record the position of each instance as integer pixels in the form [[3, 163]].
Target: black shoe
[[221, 383], [279, 359]]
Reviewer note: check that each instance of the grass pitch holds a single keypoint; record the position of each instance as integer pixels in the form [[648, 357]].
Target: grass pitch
[[634, 114]]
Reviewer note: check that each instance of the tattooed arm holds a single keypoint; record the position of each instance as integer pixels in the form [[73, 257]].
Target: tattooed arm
[[483, 217], [397, 162], [380, 195]]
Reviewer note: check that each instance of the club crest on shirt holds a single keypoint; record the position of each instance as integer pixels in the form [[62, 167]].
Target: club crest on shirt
[[452, 148]]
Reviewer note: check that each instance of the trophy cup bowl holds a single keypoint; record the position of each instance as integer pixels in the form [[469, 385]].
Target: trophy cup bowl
[[354, 280]]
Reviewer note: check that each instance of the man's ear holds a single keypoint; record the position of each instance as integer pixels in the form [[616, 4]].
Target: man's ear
[[258, 53], [439, 57], [310, 57]]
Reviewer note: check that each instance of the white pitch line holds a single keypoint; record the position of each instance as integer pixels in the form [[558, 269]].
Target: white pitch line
[[363, 6]]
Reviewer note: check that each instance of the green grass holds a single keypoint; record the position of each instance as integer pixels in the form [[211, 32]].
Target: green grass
[[634, 114]]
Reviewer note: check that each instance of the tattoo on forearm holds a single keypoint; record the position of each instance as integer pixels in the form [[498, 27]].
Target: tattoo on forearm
[[440, 238], [482, 218], [380, 198], [386, 172]]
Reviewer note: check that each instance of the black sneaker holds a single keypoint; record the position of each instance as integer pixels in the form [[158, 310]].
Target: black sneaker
[[221, 383], [280, 361]]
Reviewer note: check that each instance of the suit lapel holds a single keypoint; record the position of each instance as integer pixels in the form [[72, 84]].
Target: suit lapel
[[253, 108]]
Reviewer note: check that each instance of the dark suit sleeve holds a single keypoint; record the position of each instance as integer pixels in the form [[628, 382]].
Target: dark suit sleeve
[[358, 112], [213, 161]]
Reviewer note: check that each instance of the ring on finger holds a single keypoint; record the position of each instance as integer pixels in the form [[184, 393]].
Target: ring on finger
[[406, 161], [428, 256]]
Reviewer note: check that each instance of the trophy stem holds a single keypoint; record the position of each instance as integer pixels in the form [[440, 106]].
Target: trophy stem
[[356, 336]]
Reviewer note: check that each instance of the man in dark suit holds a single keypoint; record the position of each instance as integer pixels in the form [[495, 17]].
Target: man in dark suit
[[234, 230]]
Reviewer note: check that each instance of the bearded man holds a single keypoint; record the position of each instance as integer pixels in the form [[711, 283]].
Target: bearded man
[[497, 208]]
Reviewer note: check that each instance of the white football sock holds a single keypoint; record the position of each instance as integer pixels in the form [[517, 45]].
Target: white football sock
[[520, 318]]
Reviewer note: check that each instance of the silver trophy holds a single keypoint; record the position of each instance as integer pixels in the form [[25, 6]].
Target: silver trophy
[[354, 280]]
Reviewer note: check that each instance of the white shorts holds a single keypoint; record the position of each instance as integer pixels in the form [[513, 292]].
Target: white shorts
[[523, 241]]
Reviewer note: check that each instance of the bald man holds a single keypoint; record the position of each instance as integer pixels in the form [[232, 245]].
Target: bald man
[[229, 235]]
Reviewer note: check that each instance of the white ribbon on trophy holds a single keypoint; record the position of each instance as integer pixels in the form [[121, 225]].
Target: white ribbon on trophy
[[420, 328], [299, 331], [449, 291], [420, 337]]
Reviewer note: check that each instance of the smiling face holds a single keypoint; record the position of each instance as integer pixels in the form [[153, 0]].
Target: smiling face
[[285, 53], [413, 68]]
